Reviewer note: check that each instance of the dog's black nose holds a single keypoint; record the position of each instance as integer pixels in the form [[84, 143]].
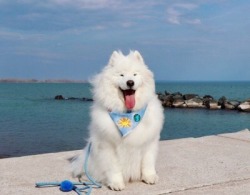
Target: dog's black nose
[[130, 83]]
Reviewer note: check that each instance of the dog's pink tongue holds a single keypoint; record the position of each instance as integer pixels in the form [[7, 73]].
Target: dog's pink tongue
[[129, 97]]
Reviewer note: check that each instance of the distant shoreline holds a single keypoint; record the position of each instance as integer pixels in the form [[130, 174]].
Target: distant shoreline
[[15, 80], [41, 81]]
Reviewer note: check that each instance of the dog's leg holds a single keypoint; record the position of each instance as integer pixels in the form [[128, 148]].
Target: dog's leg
[[116, 182], [149, 175], [107, 163], [114, 173]]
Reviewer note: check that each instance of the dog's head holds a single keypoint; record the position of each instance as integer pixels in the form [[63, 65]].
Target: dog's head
[[125, 83]]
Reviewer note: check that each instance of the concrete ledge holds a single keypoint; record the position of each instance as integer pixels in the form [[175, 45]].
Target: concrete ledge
[[207, 165]]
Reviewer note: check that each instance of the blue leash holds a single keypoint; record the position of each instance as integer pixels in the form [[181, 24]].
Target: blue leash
[[67, 186]]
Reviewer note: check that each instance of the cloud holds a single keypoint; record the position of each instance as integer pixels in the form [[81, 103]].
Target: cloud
[[6, 35], [194, 21], [65, 15], [177, 13], [83, 4], [173, 16], [127, 24], [99, 27], [82, 16]]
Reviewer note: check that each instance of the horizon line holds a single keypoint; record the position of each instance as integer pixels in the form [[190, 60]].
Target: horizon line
[[64, 80]]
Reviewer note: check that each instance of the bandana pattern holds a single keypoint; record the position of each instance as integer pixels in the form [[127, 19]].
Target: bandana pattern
[[126, 122]]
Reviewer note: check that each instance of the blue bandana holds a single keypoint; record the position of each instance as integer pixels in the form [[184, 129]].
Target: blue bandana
[[126, 122]]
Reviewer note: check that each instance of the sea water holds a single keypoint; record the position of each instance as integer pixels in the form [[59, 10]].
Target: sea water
[[32, 122]]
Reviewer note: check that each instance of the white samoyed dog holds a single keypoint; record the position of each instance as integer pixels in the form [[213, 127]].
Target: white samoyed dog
[[124, 87]]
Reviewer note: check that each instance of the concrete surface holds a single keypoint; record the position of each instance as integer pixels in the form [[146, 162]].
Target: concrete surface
[[217, 164]]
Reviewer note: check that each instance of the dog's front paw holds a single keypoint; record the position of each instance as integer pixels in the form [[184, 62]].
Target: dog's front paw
[[150, 179], [117, 186]]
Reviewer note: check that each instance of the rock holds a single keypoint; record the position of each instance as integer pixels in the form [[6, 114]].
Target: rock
[[167, 93], [190, 96], [231, 105], [160, 96], [208, 97], [245, 106], [81, 99], [221, 102], [228, 106], [235, 103], [73, 98], [59, 97], [206, 102], [87, 99], [194, 103], [211, 104], [178, 102], [177, 94], [168, 101]]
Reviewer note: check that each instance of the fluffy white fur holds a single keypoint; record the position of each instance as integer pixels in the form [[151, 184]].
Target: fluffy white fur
[[115, 160]]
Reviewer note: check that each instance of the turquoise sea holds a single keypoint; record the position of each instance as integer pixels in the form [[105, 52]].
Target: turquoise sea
[[32, 122]]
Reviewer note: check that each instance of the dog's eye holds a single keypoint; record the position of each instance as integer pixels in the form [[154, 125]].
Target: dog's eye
[[122, 75], [135, 74]]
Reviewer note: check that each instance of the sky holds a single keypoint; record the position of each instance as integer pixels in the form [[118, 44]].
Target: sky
[[180, 40]]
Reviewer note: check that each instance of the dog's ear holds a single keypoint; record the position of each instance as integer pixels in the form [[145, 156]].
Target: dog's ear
[[113, 57], [138, 56]]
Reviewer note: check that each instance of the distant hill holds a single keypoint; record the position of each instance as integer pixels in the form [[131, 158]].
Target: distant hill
[[10, 80]]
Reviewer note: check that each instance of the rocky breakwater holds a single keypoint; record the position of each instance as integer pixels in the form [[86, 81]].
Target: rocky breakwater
[[61, 97], [245, 106], [179, 100]]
